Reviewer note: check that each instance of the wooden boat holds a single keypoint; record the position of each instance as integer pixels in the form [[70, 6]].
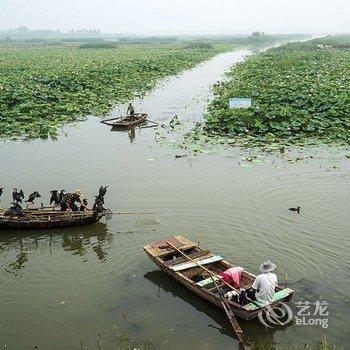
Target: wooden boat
[[38, 218], [191, 274], [126, 122]]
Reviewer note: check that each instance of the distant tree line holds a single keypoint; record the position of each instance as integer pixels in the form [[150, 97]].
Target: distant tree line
[[23, 32]]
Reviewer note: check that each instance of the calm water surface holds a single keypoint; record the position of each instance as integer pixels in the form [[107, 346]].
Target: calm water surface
[[76, 288]]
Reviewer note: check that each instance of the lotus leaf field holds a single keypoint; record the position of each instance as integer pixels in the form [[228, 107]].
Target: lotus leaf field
[[42, 88], [300, 93]]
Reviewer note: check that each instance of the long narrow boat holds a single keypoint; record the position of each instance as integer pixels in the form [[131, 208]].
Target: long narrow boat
[[191, 274], [38, 219], [126, 122]]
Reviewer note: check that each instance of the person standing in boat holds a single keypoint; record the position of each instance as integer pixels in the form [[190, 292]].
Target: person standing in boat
[[263, 288], [69, 200], [131, 111]]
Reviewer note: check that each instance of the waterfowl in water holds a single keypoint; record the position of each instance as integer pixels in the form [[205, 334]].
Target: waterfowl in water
[[295, 209]]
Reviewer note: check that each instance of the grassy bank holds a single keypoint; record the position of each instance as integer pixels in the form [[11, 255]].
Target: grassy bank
[[300, 91]]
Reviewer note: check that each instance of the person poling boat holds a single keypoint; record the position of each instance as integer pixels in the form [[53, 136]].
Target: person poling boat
[[130, 111], [130, 120]]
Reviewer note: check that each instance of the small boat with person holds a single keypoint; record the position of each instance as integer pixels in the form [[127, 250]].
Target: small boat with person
[[127, 121], [201, 271]]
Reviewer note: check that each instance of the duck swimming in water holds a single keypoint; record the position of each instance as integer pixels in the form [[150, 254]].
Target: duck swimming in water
[[295, 209]]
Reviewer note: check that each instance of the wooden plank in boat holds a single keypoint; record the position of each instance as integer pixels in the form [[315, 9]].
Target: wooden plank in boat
[[281, 294], [161, 248], [207, 261], [195, 255], [208, 280]]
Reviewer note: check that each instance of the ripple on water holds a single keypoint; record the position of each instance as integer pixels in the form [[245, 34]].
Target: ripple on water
[[239, 213]]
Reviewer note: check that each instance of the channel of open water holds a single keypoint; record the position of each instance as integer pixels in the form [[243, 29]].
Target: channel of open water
[[77, 288]]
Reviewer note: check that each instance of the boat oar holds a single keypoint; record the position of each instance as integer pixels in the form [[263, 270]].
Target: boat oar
[[234, 323], [230, 315]]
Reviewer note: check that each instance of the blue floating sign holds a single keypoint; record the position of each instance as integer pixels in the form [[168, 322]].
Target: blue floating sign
[[240, 102]]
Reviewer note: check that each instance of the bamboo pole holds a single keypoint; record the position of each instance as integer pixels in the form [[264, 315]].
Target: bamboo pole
[[230, 315], [133, 213]]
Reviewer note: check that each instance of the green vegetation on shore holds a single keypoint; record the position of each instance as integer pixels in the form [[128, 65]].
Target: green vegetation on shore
[[46, 84], [300, 91], [41, 88]]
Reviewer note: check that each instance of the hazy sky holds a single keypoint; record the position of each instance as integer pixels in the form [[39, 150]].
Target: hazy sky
[[179, 16]]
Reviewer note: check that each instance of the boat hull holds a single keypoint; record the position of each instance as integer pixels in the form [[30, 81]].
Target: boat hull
[[126, 122], [45, 221], [210, 296]]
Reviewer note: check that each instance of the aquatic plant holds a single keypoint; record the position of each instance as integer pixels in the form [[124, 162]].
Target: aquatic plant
[[299, 91], [45, 85], [98, 45], [42, 88], [200, 45]]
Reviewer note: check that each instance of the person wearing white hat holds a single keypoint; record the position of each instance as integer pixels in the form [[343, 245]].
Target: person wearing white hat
[[265, 283]]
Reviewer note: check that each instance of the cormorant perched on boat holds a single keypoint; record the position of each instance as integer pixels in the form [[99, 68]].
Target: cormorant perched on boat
[[15, 210], [54, 197], [60, 196], [98, 205], [295, 209], [84, 205], [1, 189], [102, 191], [17, 196], [32, 197]]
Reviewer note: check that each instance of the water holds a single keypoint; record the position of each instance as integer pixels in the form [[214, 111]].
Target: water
[[75, 288]]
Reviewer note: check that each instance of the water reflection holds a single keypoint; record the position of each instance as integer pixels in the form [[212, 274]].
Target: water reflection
[[20, 260], [78, 241], [130, 132], [257, 335]]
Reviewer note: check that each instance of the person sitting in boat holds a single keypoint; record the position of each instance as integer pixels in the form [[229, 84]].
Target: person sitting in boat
[[84, 205], [68, 201], [131, 111], [263, 288]]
